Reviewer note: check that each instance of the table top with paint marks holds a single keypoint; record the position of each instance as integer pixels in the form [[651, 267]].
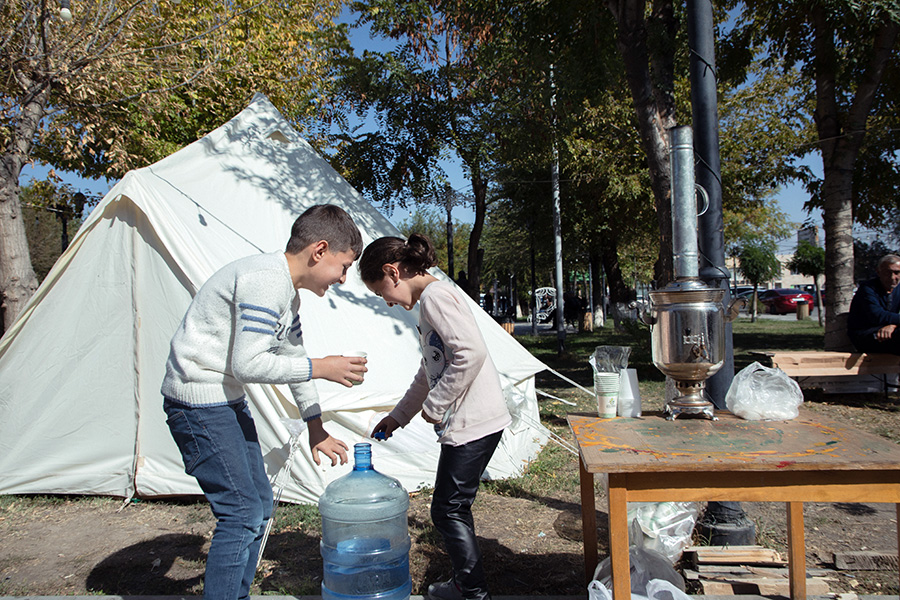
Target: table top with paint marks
[[651, 443]]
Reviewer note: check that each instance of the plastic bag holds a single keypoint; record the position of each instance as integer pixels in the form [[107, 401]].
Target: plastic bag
[[646, 565], [760, 393], [609, 359], [657, 589], [660, 589], [663, 527]]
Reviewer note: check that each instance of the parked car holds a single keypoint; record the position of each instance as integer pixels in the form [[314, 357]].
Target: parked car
[[782, 301], [811, 290], [747, 296]]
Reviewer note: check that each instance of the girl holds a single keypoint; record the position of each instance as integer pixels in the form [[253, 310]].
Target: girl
[[457, 388]]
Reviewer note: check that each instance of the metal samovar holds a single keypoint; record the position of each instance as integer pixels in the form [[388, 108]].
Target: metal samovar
[[687, 317]]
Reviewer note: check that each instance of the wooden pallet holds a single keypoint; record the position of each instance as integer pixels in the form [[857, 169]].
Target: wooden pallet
[[830, 364], [739, 570], [846, 372], [865, 560]]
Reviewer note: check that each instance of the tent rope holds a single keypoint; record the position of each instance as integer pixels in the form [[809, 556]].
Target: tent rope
[[550, 434], [201, 209], [281, 479], [567, 380], [569, 402]]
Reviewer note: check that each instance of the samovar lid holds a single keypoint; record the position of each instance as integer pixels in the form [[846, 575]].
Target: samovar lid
[[687, 289]]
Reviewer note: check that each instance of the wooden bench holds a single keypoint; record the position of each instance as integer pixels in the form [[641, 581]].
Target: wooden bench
[[831, 364]]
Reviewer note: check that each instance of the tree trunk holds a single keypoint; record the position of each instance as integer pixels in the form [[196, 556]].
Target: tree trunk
[[840, 143], [17, 279], [655, 108], [619, 292], [620, 295], [754, 303], [818, 300], [450, 266], [479, 191], [838, 216]]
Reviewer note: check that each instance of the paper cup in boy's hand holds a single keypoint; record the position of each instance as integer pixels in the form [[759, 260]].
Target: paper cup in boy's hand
[[359, 354]]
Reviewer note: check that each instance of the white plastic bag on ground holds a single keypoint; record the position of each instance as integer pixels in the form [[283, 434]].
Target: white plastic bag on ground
[[664, 527], [760, 393], [657, 589], [646, 565], [660, 589]]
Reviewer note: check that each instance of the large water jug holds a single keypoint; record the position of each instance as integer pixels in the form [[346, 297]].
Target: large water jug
[[365, 538]]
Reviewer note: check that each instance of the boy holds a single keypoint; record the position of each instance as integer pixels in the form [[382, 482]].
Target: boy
[[243, 327]]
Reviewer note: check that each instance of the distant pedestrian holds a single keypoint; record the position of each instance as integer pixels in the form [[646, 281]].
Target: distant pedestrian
[[463, 282], [489, 304]]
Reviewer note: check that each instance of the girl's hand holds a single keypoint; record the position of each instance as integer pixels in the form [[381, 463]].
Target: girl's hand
[[345, 370], [385, 428]]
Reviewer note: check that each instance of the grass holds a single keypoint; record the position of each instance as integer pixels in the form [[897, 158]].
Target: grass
[[297, 516]]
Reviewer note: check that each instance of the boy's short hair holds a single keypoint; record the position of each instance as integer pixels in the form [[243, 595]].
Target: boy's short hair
[[325, 222]]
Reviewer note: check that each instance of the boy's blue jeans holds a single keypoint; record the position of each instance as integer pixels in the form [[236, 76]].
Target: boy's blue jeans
[[221, 450]]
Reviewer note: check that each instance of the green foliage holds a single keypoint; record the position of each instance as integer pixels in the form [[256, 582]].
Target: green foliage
[[51, 215], [825, 73], [474, 80], [867, 255], [398, 162], [128, 84], [431, 223], [808, 260], [762, 125], [510, 235], [757, 261]]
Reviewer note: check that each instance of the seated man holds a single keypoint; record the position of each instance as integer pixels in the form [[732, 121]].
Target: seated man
[[875, 310]]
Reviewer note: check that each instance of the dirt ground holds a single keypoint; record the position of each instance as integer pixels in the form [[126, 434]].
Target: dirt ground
[[532, 545]]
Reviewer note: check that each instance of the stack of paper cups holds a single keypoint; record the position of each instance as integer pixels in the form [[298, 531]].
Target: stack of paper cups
[[606, 387], [629, 394]]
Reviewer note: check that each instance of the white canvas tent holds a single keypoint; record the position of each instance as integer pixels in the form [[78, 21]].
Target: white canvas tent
[[80, 370]]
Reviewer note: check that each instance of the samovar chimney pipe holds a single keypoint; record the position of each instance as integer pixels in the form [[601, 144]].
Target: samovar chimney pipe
[[686, 258]]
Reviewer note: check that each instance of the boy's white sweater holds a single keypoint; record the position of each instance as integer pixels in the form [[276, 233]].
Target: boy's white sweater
[[242, 327]]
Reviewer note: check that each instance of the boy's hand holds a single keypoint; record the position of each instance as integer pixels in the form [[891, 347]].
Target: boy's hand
[[345, 370], [320, 441], [386, 427]]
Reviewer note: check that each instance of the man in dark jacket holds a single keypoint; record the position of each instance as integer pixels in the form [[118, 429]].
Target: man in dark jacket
[[875, 311]]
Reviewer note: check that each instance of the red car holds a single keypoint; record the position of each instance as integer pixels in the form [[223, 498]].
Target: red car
[[782, 301]]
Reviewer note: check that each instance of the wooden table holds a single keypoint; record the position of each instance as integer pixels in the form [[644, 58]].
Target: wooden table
[[649, 459]]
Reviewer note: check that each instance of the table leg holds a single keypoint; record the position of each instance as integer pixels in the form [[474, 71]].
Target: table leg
[[618, 537], [588, 521], [796, 550], [898, 528]]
